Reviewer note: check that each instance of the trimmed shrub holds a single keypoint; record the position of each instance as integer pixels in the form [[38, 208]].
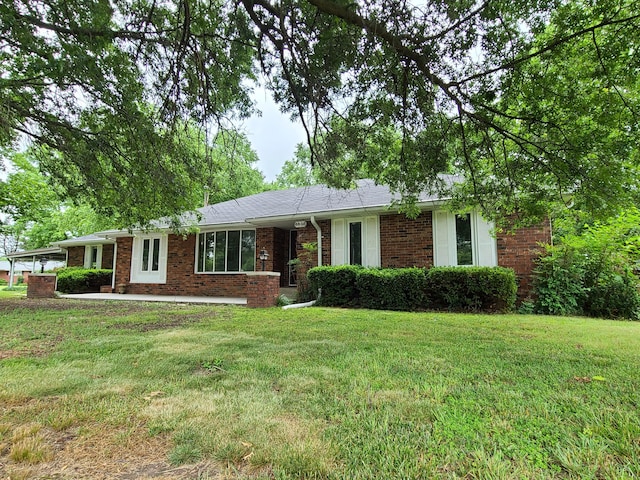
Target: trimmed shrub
[[446, 288], [490, 289], [392, 289], [82, 280], [338, 285]]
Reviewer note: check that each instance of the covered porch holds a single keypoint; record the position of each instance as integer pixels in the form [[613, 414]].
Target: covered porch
[[39, 258]]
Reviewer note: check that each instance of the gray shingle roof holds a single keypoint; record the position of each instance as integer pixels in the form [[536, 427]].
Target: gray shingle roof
[[304, 201]]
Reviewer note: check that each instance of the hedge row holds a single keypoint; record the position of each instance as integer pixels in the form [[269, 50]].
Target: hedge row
[[438, 288], [82, 280]]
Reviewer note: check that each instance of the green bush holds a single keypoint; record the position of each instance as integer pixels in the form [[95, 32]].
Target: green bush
[[558, 283], [82, 280], [3, 282], [589, 272], [455, 288], [338, 285], [491, 289], [392, 289]]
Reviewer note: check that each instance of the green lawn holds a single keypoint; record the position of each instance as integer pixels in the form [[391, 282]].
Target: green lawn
[[101, 390], [17, 291]]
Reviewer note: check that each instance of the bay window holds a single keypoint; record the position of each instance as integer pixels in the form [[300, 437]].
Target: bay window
[[226, 251]]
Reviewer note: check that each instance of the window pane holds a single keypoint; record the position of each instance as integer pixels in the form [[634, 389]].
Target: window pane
[[155, 254], [355, 243], [209, 248], [94, 257], [463, 239], [233, 251], [201, 252], [221, 249], [145, 255], [248, 253]]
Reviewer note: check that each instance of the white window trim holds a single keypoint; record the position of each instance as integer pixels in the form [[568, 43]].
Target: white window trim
[[340, 240], [483, 242], [226, 253], [87, 256], [137, 274]]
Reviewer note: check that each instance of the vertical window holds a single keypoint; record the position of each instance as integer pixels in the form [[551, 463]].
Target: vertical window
[[145, 254], [464, 246], [156, 255], [221, 251], [94, 257], [355, 243], [232, 251], [248, 251]]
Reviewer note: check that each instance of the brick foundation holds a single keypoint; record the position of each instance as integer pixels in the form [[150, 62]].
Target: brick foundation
[[42, 285], [263, 289]]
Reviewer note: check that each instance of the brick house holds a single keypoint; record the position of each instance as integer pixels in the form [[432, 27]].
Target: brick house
[[347, 226]]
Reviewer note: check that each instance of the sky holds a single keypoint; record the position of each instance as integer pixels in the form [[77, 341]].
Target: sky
[[273, 135]]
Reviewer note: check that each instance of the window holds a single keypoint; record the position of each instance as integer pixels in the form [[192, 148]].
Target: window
[[149, 259], [355, 241], [93, 256], [226, 251], [150, 254], [463, 240], [464, 250]]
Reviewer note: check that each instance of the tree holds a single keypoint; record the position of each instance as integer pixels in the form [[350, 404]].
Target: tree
[[35, 213], [531, 100], [226, 167], [298, 171]]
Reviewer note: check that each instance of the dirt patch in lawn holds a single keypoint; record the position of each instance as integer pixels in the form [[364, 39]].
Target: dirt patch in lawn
[[97, 454]]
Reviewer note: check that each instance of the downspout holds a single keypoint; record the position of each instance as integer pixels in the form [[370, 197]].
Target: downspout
[[317, 227]]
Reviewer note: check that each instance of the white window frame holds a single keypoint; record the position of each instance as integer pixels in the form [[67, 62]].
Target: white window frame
[[483, 242], [138, 275], [88, 250], [340, 240], [226, 253]]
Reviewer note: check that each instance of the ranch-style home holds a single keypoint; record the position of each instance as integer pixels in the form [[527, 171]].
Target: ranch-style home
[[349, 227]]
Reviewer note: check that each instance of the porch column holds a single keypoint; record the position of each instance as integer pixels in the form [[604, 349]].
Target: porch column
[[263, 289]]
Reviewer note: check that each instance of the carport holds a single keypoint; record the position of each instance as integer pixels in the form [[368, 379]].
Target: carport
[[39, 257]]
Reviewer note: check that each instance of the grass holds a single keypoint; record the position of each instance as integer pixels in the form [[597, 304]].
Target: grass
[[17, 291], [216, 392]]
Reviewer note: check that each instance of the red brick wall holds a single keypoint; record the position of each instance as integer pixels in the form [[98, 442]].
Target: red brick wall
[[519, 251], [123, 260], [405, 242], [181, 279], [42, 285], [75, 257], [262, 290]]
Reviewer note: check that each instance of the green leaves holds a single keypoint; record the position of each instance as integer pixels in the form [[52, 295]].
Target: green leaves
[[531, 101]]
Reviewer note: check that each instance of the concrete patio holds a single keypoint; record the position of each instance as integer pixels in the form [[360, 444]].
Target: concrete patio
[[156, 298]]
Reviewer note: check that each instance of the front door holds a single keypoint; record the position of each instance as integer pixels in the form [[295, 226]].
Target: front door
[[293, 254]]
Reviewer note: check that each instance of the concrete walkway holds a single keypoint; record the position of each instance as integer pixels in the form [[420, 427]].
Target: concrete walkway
[[155, 298]]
